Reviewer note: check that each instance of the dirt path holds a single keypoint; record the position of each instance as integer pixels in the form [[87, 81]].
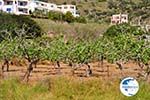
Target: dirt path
[[48, 70]]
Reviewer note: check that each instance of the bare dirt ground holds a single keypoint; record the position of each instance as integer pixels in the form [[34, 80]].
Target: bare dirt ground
[[49, 70]]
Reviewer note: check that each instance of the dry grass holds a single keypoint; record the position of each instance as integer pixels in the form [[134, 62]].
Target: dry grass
[[92, 29], [62, 88]]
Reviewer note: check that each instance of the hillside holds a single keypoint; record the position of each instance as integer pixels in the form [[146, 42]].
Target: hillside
[[84, 30], [101, 10]]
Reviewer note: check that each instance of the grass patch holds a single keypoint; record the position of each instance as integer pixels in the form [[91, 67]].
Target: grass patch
[[13, 89], [73, 29], [62, 88]]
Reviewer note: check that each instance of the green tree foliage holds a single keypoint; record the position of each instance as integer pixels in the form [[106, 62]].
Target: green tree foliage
[[11, 23], [56, 16], [68, 17], [39, 13], [81, 19], [123, 29]]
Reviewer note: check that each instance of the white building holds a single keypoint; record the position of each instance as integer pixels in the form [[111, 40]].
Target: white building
[[1, 4], [26, 6], [120, 18], [43, 6], [53, 7], [68, 8]]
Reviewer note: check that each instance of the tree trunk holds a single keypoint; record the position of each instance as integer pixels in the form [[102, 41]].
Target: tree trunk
[[6, 63], [35, 63], [29, 70], [72, 68], [120, 65], [140, 65], [88, 70], [147, 72], [107, 70], [58, 69], [102, 65]]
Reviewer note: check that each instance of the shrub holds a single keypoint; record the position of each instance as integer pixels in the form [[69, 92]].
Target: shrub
[[11, 23], [68, 17], [39, 13], [73, 2], [55, 15], [81, 19], [123, 29]]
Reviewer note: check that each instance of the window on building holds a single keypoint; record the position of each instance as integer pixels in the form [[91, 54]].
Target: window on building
[[8, 3], [20, 10], [117, 17], [72, 7], [37, 3], [124, 17], [59, 7], [42, 4], [65, 7], [23, 10], [25, 3], [8, 9]]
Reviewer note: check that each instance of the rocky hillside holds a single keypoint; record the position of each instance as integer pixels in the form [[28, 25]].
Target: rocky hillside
[[101, 10]]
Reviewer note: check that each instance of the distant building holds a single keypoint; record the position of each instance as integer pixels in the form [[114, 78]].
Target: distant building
[[120, 18], [68, 8], [147, 28], [26, 6], [15, 6], [43, 6]]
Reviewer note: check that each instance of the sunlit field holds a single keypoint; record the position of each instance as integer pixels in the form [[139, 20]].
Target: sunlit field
[[63, 88]]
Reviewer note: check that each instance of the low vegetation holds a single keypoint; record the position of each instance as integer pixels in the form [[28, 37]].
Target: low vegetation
[[66, 89], [72, 29], [123, 29], [58, 16], [13, 23]]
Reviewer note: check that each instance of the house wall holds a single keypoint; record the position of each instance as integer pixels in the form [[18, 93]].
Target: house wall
[[25, 6], [1, 4], [120, 18]]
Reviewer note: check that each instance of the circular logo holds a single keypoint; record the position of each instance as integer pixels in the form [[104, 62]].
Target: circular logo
[[129, 86]]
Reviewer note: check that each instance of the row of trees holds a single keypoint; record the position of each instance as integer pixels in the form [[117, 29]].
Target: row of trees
[[117, 49], [58, 16]]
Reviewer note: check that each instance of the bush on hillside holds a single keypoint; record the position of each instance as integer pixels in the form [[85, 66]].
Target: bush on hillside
[[81, 19], [56, 16], [123, 29], [39, 13], [11, 23], [68, 17]]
